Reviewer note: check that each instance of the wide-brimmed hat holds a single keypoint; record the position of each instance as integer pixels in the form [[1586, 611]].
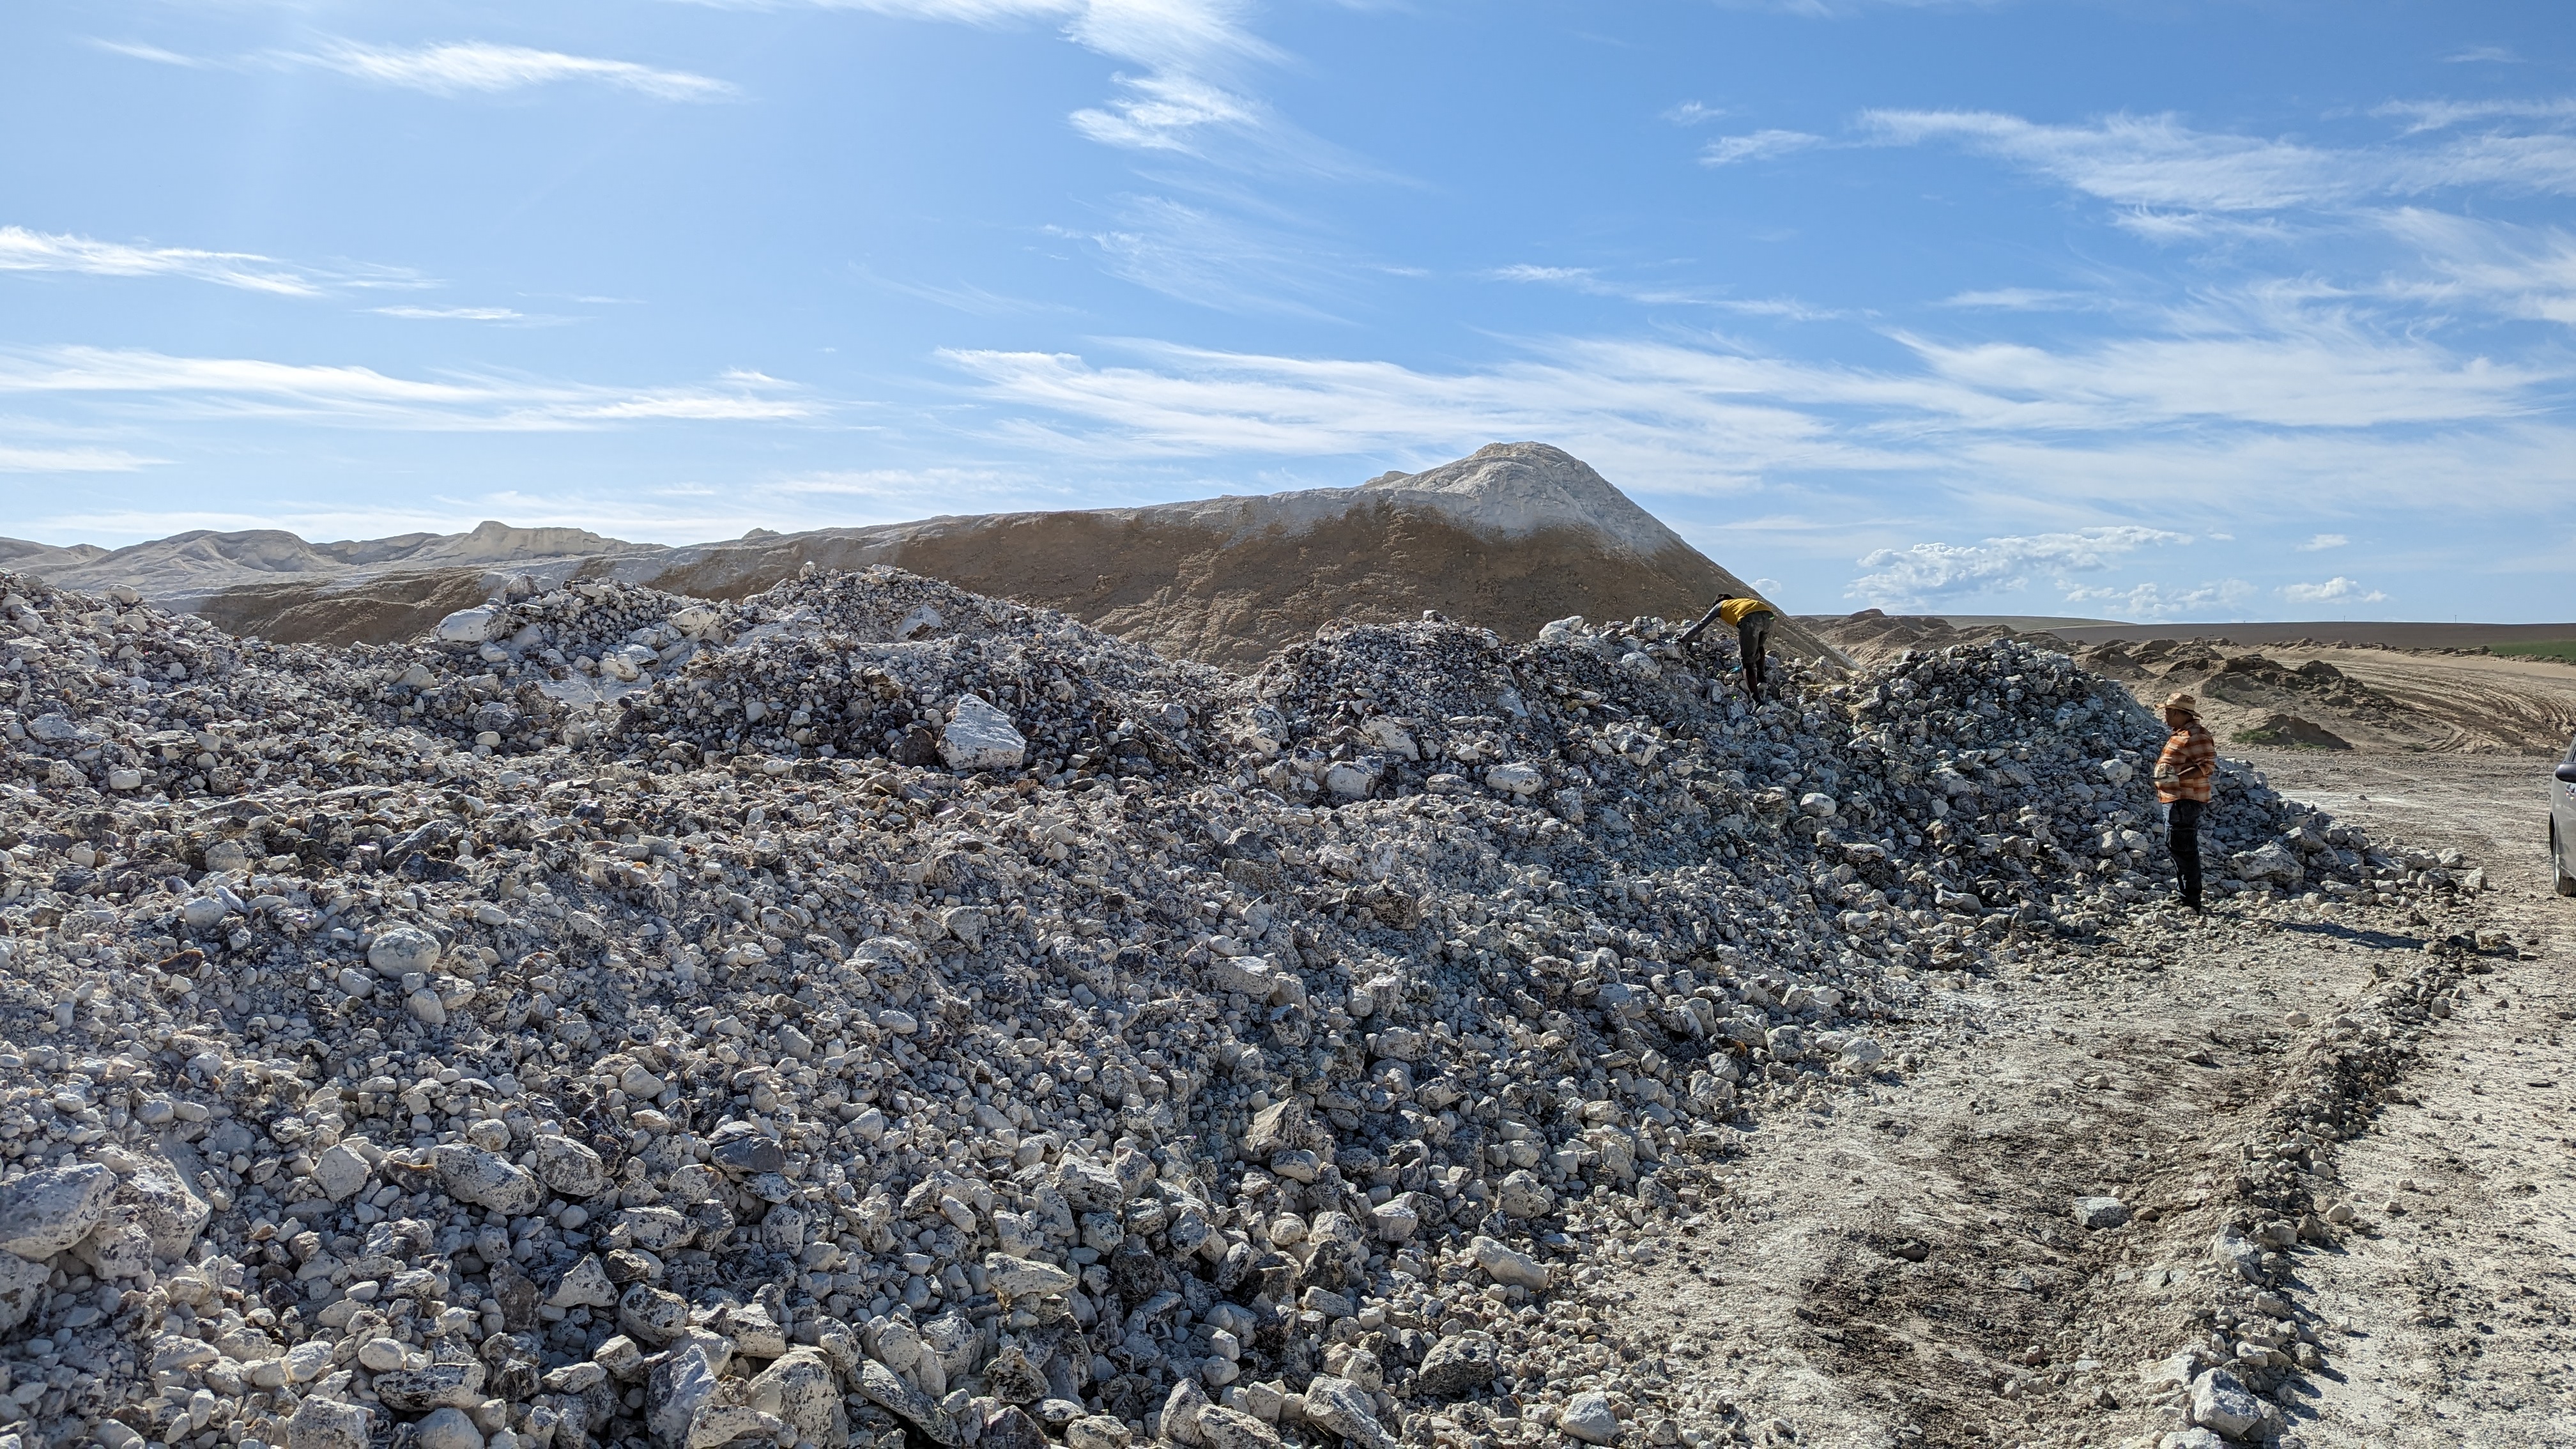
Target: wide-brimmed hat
[[2184, 702]]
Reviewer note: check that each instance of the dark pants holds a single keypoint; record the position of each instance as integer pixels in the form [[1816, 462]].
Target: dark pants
[[2182, 835], [1752, 638]]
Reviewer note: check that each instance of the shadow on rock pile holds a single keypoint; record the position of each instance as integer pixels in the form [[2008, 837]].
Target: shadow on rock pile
[[871, 1010]]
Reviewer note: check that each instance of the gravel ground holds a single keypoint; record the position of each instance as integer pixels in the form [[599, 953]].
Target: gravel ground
[[1901, 1263]]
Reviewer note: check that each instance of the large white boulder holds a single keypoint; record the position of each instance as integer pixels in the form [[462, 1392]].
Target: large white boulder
[[467, 626], [980, 737]]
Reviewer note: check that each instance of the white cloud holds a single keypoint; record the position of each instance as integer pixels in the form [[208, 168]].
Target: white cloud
[[2150, 602], [2438, 115], [474, 65], [2322, 542], [455, 314], [153, 53], [1692, 113], [2336, 590], [1757, 146], [2228, 425], [1192, 52], [2286, 382], [1672, 417], [245, 387], [2519, 271], [2021, 299], [1911, 577], [71, 460], [1592, 284], [2159, 164], [22, 250], [1213, 260]]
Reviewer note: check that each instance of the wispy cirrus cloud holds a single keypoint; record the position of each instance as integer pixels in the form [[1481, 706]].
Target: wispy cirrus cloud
[[229, 387], [457, 314], [136, 50], [1757, 146], [2442, 114], [1215, 259], [71, 460], [2323, 541], [477, 66], [2520, 271], [2158, 162], [452, 68], [23, 250], [1194, 58], [1592, 283], [2304, 372]]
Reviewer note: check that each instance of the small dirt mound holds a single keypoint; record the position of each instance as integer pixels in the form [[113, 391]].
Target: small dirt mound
[[2289, 730]]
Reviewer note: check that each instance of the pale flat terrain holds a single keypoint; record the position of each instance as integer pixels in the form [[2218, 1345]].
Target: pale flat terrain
[[1791, 1300]]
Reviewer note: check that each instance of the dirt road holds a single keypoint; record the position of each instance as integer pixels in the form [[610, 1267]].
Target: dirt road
[[1899, 1260]]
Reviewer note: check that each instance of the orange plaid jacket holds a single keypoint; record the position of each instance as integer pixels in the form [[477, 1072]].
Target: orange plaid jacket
[[2183, 771]]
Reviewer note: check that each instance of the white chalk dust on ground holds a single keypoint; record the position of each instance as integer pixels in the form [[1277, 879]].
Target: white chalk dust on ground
[[1901, 1265]]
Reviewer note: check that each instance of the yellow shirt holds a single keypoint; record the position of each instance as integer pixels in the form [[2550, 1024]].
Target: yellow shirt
[[1733, 611]]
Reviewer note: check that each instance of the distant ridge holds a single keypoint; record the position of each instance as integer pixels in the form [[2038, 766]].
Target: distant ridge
[[1510, 537]]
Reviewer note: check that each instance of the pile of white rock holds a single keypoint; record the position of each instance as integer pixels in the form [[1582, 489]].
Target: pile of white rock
[[904, 1015]]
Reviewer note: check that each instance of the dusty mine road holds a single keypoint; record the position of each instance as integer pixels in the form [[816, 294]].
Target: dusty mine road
[[1902, 1264]]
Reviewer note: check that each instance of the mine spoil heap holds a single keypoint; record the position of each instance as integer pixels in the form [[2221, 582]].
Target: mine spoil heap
[[870, 1012]]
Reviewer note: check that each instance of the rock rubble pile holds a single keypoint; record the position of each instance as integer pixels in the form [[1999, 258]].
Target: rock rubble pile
[[869, 1013]]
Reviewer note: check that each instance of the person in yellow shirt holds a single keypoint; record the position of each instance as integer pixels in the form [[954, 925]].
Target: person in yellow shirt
[[1752, 620]]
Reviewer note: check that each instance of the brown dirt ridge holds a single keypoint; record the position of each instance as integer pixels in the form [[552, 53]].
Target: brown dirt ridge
[[1507, 538]]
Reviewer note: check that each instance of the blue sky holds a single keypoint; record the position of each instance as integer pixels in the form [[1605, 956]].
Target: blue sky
[[2257, 309]]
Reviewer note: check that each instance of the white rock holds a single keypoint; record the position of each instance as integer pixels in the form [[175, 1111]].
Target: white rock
[[1011, 1277], [980, 737], [2099, 1213], [321, 1423], [45, 1212], [1518, 780], [341, 1171], [2220, 1403], [467, 626], [584, 1285], [1344, 1408], [569, 1168], [1387, 734], [486, 1180], [1509, 1266], [22, 1287], [1348, 779], [402, 950], [1395, 1220], [1589, 1417]]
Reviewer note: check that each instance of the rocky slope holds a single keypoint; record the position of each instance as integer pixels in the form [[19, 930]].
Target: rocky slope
[[1508, 538], [868, 1012]]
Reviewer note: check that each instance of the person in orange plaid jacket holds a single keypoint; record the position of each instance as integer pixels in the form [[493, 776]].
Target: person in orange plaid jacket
[[2183, 773]]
